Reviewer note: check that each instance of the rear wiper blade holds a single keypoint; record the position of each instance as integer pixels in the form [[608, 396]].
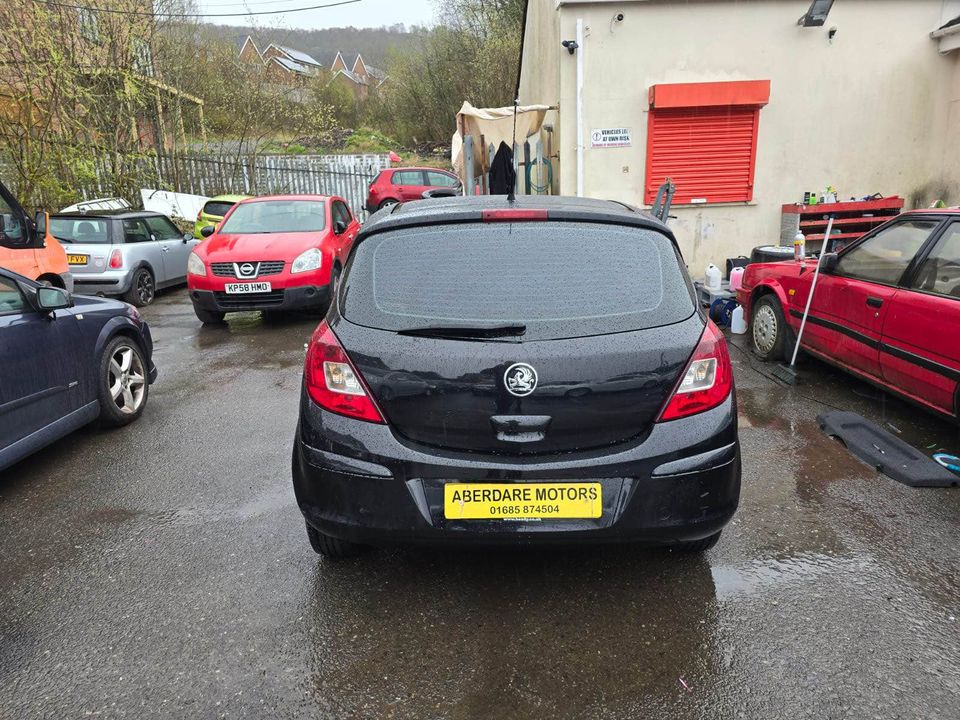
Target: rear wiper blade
[[466, 331]]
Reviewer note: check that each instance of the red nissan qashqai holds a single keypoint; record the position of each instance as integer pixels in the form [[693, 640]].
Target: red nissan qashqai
[[282, 252]]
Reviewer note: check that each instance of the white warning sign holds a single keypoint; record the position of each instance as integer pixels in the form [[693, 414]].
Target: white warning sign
[[611, 137]]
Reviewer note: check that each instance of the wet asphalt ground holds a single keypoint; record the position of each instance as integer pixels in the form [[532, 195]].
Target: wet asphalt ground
[[162, 570]]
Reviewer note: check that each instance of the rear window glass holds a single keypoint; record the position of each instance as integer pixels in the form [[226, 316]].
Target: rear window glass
[[559, 279], [275, 216], [217, 208], [87, 231]]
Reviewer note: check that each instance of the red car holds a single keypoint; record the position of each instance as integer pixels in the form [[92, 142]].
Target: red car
[[886, 308], [283, 252], [404, 184]]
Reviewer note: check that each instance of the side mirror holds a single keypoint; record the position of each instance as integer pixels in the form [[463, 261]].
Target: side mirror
[[40, 223], [53, 298], [208, 230], [339, 227], [187, 237], [828, 263]]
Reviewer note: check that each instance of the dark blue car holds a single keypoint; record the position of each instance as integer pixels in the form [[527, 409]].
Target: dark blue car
[[64, 362]]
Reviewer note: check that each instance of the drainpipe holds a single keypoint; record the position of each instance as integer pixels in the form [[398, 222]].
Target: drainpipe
[[580, 148]]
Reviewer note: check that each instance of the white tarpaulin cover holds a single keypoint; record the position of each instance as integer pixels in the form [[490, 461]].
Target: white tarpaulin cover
[[179, 205], [496, 126]]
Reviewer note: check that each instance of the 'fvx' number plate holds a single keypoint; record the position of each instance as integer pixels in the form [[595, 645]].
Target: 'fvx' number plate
[[247, 288]]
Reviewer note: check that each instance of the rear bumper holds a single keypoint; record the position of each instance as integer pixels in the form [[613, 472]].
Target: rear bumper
[[106, 283], [306, 297], [680, 483]]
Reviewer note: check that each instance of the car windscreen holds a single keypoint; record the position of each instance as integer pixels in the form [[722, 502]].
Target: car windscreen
[[217, 208], [86, 231], [276, 216], [558, 279]]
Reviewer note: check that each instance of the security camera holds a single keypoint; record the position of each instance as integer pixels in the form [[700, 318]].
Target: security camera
[[618, 17], [570, 45], [831, 33]]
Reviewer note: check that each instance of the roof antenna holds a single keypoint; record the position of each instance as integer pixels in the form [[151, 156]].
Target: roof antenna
[[512, 195]]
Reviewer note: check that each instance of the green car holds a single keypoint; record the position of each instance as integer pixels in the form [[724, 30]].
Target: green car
[[214, 210]]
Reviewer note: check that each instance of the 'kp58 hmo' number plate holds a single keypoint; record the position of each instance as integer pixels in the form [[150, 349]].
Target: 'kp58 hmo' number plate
[[247, 288], [522, 501]]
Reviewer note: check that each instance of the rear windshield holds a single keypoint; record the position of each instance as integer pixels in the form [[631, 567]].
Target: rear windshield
[[88, 231], [217, 208], [276, 216], [559, 279]]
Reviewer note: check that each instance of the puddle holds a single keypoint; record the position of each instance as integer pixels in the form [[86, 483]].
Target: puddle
[[732, 581]]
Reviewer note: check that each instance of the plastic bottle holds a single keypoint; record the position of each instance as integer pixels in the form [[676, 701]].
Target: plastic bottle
[[713, 278], [738, 324], [799, 246], [736, 279]]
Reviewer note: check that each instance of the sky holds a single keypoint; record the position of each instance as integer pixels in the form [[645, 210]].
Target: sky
[[366, 13]]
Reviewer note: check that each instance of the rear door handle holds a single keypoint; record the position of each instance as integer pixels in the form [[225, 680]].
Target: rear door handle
[[875, 302]]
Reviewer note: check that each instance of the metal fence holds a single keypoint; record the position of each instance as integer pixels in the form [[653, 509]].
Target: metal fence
[[346, 175]]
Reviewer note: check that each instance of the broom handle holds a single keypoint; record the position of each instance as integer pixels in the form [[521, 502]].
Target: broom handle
[[813, 286]]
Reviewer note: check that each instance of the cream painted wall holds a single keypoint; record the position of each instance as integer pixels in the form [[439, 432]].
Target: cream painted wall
[[540, 76], [874, 111]]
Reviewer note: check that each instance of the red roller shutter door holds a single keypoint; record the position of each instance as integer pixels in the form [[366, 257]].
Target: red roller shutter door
[[709, 153], [703, 136]]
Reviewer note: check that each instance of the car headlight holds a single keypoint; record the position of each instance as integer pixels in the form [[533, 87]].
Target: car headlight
[[195, 266], [308, 260]]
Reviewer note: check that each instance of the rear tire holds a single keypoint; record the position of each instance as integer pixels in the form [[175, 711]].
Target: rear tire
[[387, 203], [122, 384], [699, 546], [207, 317], [143, 288], [331, 547], [768, 329]]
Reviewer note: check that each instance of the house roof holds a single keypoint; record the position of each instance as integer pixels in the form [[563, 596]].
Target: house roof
[[352, 76], [297, 55], [288, 64]]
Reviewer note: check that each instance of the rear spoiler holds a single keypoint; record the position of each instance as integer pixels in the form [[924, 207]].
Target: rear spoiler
[[629, 216]]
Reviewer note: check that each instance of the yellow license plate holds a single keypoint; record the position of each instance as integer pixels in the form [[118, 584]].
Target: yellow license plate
[[523, 501], [77, 259]]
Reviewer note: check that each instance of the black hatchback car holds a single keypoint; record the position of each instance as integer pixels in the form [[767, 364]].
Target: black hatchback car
[[516, 372]]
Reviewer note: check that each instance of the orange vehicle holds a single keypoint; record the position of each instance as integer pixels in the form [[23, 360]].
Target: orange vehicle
[[26, 246]]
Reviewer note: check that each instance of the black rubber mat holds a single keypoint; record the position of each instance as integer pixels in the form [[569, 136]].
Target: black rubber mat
[[887, 453]]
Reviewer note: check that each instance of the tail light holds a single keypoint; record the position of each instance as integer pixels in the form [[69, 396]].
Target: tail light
[[333, 382], [116, 259], [706, 381]]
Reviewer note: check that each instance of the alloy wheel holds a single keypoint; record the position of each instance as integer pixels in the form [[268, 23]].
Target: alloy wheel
[[145, 288], [126, 379]]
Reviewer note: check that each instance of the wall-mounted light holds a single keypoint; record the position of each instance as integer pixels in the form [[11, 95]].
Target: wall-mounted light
[[816, 16], [570, 45]]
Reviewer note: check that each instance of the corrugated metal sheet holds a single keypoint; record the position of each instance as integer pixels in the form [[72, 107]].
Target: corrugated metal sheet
[[709, 153]]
